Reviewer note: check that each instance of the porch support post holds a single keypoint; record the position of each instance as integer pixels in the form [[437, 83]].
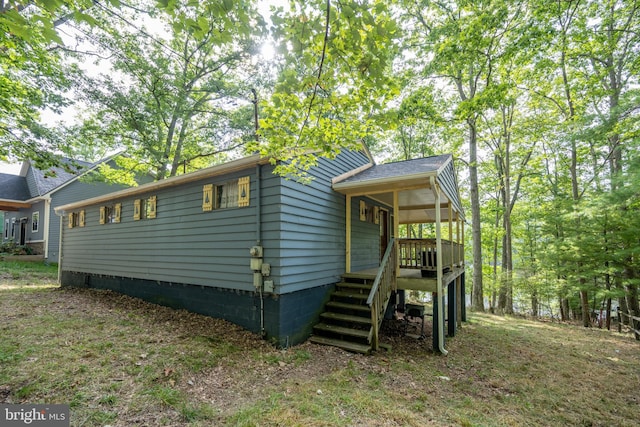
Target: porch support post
[[396, 228], [463, 298], [347, 255], [452, 309], [451, 245], [440, 292], [460, 300]]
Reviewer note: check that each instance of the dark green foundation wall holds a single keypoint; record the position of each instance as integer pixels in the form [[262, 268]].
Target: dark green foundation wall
[[288, 318]]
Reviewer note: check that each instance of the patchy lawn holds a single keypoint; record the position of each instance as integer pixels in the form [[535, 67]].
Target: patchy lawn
[[119, 361]]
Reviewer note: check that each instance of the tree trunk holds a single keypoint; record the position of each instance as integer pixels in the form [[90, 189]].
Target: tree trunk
[[564, 309], [584, 306], [535, 308], [478, 298]]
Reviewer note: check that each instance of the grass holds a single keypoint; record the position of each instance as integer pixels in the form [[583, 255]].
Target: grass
[[120, 361]]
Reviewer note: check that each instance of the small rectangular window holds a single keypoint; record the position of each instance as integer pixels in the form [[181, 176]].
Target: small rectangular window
[[13, 228], [226, 195], [6, 229], [35, 222], [81, 218], [74, 219], [110, 214]]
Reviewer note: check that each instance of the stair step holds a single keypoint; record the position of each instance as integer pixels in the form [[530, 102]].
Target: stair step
[[345, 345], [346, 318], [347, 306], [351, 285], [341, 330], [354, 295]]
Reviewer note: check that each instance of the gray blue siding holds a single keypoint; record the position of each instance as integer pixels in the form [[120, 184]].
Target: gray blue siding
[[301, 227]]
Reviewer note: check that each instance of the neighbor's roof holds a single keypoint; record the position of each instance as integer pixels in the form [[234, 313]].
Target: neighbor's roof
[[54, 177], [13, 187]]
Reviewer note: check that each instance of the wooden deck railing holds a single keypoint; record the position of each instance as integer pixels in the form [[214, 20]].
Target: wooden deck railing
[[380, 294], [421, 253]]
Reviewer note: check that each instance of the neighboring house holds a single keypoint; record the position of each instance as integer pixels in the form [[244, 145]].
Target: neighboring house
[[278, 257], [28, 201]]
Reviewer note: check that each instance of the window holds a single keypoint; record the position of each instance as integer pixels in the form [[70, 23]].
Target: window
[[6, 229], [13, 228], [110, 214], [144, 208], [74, 219], [81, 219], [231, 194], [35, 221], [226, 195]]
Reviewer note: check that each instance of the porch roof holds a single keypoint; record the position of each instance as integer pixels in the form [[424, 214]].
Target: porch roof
[[411, 179]]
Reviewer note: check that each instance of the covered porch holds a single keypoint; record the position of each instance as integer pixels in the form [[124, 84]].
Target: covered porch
[[414, 193]]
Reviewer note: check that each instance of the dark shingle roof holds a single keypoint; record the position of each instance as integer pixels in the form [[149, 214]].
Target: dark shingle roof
[[398, 169], [52, 178], [13, 187]]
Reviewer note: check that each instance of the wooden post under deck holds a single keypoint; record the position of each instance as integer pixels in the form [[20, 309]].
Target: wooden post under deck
[[396, 227]]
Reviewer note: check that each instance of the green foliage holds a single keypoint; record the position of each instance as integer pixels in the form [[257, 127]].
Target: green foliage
[[334, 81]]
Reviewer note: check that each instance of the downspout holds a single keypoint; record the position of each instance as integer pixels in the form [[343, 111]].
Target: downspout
[[439, 290], [45, 228], [259, 241]]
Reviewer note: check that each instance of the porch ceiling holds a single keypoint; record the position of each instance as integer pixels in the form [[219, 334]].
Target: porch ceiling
[[412, 181], [13, 205], [416, 205]]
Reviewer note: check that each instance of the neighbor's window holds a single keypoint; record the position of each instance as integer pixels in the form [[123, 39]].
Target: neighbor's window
[[35, 221], [13, 228], [6, 229]]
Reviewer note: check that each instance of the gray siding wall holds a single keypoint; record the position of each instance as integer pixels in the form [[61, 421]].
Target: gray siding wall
[[30, 235], [302, 232], [365, 238], [182, 245], [447, 180], [75, 191], [312, 227], [32, 184]]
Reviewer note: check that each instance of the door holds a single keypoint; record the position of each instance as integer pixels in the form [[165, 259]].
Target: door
[[23, 231], [384, 231]]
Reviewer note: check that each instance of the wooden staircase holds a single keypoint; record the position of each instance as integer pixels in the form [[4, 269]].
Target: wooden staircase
[[346, 322]]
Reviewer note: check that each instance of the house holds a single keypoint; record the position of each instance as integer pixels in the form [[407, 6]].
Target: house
[[28, 201], [275, 256]]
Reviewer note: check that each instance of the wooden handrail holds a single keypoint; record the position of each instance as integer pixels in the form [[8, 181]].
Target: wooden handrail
[[380, 294], [421, 253]]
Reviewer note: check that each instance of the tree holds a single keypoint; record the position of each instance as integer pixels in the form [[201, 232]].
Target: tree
[[333, 81], [180, 99], [33, 75]]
